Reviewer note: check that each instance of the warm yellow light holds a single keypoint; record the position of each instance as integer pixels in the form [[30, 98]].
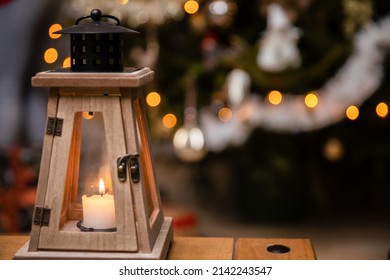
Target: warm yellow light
[[53, 28], [352, 112], [225, 114], [153, 99], [123, 2], [311, 100], [169, 120], [382, 110], [275, 97], [333, 149], [66, 62], [51, 55], [88, 115], [191, 6], [102, 189]]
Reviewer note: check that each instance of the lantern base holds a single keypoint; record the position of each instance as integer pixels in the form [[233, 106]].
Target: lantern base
[[159, 252]]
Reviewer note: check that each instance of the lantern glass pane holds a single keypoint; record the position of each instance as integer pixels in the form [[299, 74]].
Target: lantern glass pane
[[146, 163], [93, 156], [89, 195]]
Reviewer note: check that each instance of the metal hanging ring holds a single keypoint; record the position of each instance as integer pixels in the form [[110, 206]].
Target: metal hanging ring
[[96, 15]]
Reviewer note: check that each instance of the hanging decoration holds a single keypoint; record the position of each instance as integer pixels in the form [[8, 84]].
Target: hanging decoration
[[220, 13], [356, 81], [278, 49], [188, 141], [238, 86]]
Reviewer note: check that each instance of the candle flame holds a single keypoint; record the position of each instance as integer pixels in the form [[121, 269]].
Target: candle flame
[[102, 189]]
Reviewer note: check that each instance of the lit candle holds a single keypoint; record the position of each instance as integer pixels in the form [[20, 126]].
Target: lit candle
[[99, 210]]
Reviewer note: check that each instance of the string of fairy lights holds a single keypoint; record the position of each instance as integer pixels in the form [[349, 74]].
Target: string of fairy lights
[[275, 103], [169, 120], [311, 100]]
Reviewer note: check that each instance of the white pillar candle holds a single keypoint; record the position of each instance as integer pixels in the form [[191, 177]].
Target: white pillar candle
[[99, 210]]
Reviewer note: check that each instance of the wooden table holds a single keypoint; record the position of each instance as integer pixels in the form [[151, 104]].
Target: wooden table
[[205, 248]]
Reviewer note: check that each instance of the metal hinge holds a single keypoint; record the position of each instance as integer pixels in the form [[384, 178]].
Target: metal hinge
[[54, 126], [41, 216]]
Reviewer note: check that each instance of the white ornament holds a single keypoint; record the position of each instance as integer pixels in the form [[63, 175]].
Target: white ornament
[[238, 85], [189, 144], [278, 47]]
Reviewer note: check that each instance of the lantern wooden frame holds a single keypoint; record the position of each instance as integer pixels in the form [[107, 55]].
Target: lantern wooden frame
[[142, 230]]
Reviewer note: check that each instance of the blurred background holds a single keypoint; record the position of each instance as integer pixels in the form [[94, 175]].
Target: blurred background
[[267, 118]]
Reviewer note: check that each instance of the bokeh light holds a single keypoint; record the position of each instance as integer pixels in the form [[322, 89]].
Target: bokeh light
[[191, 7], [169, 120], [382, 110], [189, 138], [275, 97], [225, 114], [352, 112], [333, 149], [153, 99], [51, 55], [311, 100], [66, 62], [219, 7], [53, 28], [88, 115]]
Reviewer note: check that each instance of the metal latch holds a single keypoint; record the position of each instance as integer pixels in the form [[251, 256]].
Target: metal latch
[[41, 216], [54, 126], [132, 162]]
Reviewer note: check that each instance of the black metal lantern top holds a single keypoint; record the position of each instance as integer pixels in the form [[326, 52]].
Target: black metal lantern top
[[96, 46]]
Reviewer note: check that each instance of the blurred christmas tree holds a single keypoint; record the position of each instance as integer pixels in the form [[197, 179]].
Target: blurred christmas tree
[[216, 64]]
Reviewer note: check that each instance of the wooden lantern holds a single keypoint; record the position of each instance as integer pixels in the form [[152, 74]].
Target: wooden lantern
[[97, 196], [140, 231]]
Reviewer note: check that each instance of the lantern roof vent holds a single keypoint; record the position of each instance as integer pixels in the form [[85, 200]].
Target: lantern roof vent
[[96, 46]]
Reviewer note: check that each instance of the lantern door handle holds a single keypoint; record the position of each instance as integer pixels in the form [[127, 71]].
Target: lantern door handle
[[132, 162]]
